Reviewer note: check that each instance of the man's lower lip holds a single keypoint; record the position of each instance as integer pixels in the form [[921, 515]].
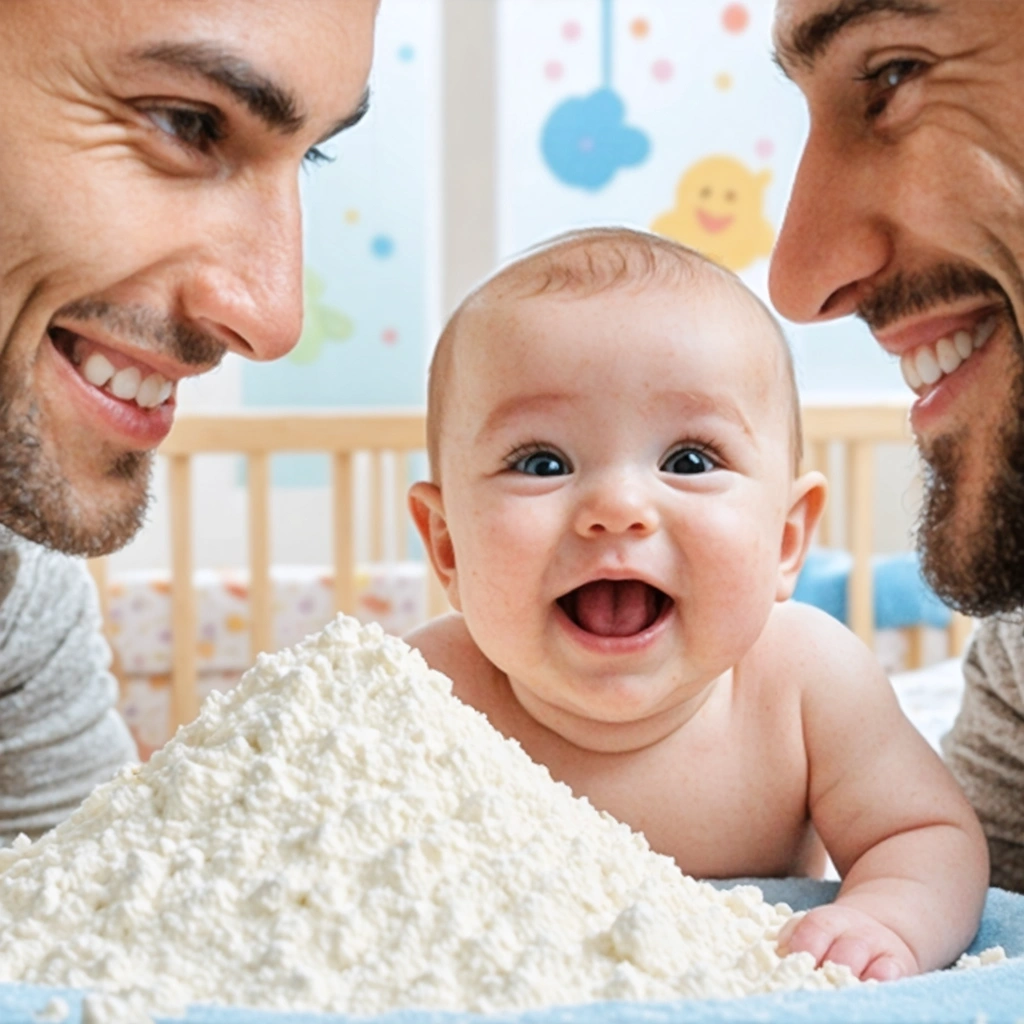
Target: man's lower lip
[[142, 428], [930, 409]]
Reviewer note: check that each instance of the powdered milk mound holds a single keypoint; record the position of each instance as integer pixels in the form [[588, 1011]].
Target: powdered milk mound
[[340, 833]]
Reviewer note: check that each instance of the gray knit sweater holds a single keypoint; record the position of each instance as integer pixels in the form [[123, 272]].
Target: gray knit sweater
[[60, 734], [985, 748]]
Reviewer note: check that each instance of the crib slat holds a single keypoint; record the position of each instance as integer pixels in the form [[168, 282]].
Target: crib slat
[[915, 647], [98, 570], [375, 511], [959, 631], [260, 638], [401, 527], [860, 492], [184, 697], [344, 563]]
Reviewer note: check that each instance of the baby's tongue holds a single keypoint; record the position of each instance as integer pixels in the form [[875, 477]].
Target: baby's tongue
[[615, 607]]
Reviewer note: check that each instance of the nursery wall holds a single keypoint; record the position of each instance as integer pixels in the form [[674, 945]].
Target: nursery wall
[[484, 122]]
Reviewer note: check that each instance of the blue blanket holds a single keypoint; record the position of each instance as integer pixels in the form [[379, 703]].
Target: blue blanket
[[993, 995]]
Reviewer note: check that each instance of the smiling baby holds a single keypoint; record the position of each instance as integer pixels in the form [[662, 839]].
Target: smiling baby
[[617, 514]]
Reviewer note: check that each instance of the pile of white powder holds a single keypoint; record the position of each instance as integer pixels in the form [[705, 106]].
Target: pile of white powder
[[340, 833]]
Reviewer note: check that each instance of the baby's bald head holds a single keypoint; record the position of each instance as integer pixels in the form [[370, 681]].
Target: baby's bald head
[[581, 264]]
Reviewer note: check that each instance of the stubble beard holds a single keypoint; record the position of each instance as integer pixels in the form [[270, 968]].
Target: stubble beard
[[38, 503], [37, 500], [977, 566]]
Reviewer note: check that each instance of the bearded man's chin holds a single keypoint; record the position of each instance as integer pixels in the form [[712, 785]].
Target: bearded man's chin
[[975, 564]]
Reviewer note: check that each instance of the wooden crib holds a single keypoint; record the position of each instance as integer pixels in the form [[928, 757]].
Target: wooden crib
[[389, 439], [843, 441], [839, 439]]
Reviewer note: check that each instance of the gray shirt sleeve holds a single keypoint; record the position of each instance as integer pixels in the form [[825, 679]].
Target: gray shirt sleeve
[[985, 748], [60, 733]]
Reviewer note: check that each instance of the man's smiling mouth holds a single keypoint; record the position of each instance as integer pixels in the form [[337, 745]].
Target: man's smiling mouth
[[615, 608], [129, 383], [928, 364]]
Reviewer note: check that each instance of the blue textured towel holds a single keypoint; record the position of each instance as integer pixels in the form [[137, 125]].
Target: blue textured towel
[[993, 995], [902, 597]]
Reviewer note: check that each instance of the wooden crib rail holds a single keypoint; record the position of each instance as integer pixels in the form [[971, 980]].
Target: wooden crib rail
[[257, 436], [391, 437], [859, 428]]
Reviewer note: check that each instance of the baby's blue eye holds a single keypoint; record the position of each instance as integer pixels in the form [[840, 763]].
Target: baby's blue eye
[[688, 461], [541, 464]]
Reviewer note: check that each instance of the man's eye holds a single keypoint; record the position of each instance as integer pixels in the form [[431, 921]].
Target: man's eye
[[316, 156], [688, 461], [197, 129], [885, 80], [541, 463]]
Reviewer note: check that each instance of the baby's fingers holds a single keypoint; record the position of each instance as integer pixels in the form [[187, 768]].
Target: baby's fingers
[[885, 968], [849, 937]]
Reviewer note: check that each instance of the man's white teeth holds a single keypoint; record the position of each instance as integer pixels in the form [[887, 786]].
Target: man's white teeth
[[154, 391], [125, 383], [947, 355], [963, 344], [128, 383], [98, 370], [927, 364]]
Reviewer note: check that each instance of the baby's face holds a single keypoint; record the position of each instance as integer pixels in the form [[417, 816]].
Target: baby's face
[[615, 476]]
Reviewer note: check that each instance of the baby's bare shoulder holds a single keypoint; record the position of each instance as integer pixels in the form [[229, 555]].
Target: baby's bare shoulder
[[446, 645], [809, 647]]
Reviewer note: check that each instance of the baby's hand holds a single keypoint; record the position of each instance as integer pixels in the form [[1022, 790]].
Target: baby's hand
[[848, 936]]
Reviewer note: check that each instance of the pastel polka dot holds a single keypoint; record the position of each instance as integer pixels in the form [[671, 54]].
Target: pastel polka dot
[[640, 27], [662, 70], [572, 30], [735, 18], [389, 336], [553, 70], [351, 216], [723, 81], [382, 246], [406, 53], [764, 148]]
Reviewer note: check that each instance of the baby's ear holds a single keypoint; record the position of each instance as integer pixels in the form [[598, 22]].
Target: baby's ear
[[807, 502], [427, 508]]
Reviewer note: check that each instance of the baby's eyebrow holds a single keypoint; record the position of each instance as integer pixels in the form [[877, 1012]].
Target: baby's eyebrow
[[701, 403], [520, 405]]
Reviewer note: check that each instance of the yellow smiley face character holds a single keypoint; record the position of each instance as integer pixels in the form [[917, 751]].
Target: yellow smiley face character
[[718, 212]]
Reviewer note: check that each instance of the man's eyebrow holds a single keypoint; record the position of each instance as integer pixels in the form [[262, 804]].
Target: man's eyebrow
[[270, 102], [350, 120], [811, 37]]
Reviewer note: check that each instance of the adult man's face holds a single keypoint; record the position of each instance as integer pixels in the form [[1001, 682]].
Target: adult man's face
[[149, 222], [908, 210]]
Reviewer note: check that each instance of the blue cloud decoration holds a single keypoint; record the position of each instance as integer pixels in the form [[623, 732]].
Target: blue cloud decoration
[[586, 140]]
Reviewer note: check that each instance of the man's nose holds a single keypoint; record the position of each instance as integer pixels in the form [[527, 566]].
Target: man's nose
[[244, 284], [617, 506], [834, 237]]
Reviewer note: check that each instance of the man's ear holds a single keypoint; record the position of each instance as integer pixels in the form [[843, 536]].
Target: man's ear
[[807, 503], [427, 508]]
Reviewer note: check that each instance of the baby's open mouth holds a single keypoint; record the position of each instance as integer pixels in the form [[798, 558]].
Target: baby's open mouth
[[615, 607]]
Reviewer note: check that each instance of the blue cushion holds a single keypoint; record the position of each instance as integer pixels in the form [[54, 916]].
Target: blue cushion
[[902, 598]]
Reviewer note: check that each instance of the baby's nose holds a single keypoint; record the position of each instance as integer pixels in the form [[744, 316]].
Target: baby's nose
[[616, 509]]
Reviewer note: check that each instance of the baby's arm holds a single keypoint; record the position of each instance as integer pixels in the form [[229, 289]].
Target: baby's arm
[[904, 839]]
